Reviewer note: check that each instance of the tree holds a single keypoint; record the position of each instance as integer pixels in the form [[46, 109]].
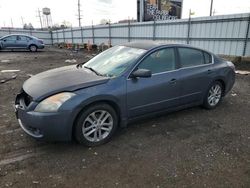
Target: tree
[[66, 24], [28, 26], [104, 22], [31, 26]]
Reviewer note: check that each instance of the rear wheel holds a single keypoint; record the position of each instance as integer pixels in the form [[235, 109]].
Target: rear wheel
[[214, 95], [96, 125], [33, 48]]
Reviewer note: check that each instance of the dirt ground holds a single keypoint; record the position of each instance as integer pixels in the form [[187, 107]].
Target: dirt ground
[[190, 148]]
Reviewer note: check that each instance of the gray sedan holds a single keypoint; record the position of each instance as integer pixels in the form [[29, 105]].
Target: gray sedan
[[21, 42], [90, 101]]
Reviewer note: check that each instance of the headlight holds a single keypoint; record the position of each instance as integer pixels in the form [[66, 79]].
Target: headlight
[[53, 103]]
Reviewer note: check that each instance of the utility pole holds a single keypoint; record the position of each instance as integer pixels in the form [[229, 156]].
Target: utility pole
[[40, 18], [214, 12], [189, 25], [211, 7], [142, 2], [22, 21], [11, 22], [79, 13]]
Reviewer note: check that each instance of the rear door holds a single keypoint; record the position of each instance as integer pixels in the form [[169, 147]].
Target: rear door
[[158, 92], [22, 41], [195, 74]]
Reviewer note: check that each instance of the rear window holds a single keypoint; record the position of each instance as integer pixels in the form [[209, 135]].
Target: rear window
[[190, 57], [207, 58]]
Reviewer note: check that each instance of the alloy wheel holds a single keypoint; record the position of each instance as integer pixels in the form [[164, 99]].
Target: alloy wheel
[[214, 95], [33, 48], [97, 126]]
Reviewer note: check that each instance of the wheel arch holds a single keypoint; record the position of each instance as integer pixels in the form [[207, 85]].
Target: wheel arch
[[223, 83], [32, 45]]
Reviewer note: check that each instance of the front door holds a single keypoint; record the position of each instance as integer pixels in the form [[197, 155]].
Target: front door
[[158, 92], [9, 42]]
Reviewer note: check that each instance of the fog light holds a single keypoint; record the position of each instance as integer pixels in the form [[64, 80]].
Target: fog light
[[35, 131]]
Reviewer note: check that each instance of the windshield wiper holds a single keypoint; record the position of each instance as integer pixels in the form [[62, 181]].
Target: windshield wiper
[[93, 70], [80, 64]]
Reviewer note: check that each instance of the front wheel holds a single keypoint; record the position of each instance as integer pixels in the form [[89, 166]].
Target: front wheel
[[214, 95], [33, 48], [96, 125]]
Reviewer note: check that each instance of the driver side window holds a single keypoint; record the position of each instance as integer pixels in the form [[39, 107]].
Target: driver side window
[[160, 61], [10, 38]]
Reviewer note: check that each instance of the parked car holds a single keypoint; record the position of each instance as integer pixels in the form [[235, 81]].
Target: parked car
[[21, 42], [135, 80]]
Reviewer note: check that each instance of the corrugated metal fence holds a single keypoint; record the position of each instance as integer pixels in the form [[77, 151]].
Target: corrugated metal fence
[[44, 35], [227, 34]]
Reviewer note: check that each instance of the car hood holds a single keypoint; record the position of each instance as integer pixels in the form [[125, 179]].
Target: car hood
[[69, 78]]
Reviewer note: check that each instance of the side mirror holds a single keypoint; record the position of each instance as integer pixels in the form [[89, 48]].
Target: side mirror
[[141, 73]]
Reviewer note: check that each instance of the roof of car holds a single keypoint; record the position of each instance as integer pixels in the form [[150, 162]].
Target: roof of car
[[17, 35], [147, 45]]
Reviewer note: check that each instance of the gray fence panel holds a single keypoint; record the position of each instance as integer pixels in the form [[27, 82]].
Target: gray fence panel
[[119, 30], [226, 34]]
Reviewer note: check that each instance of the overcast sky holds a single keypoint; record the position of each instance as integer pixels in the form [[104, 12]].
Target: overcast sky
[[95, 10]]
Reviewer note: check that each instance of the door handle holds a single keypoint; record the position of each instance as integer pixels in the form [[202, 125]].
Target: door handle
[[173, 81], [209, 71]]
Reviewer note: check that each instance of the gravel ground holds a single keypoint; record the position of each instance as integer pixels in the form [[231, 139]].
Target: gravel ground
[[190, 148]]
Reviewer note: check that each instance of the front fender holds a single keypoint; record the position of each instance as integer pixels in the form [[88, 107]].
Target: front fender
[[79, 102]]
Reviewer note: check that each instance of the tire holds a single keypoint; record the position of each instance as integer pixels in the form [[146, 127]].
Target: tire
[[33, 48], [214, 95], [92, 123]]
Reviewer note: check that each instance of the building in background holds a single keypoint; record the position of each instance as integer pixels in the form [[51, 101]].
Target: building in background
[[149, 10]]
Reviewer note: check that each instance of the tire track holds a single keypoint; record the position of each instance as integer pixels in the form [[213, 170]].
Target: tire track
[[23, 154]]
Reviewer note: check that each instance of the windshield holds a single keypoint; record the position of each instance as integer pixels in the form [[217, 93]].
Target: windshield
[[114, 61]]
